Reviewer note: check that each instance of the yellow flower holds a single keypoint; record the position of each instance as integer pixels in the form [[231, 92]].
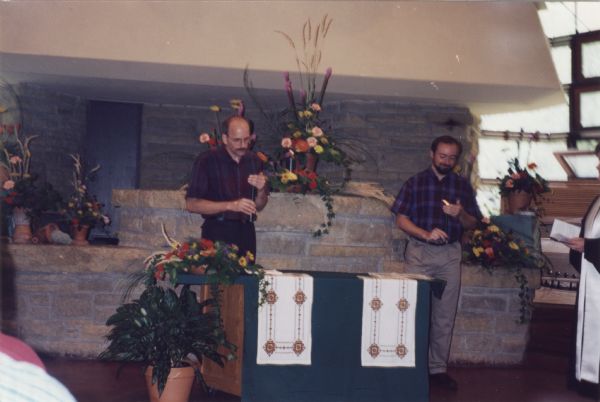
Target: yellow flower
[[196, 257], [288, 176], [232, 256], [242, 261], [307, 113], [297, 134], [477, 233], [215, 108], [494, 228], [476, 251], [323, 140], [318, 149], [249, 256], [513, 245]]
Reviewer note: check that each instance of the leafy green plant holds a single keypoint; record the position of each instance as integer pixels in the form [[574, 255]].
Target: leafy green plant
[[163, 329]]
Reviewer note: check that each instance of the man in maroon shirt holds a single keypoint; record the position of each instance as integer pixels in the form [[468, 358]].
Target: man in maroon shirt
[[433, 207], [228, 188]]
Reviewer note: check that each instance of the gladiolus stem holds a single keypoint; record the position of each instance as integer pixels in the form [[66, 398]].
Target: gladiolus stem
[[328, 73]]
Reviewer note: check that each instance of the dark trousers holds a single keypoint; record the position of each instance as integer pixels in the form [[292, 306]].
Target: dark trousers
[[239, 233]]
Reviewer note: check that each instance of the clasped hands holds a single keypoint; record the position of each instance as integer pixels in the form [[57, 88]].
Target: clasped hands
[[246, 205]]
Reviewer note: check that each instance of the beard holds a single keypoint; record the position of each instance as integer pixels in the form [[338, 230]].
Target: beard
[[443, 170]]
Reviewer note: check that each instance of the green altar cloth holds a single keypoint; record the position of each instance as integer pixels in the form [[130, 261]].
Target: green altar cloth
[[336, 374]]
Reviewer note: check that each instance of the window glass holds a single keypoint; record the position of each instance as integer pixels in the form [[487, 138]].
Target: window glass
[[590, 107], [584, 166], [590, 54], [553, 119], [562, 62]]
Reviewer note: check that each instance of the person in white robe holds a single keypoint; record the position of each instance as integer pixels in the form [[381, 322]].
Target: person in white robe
[[587, 352]]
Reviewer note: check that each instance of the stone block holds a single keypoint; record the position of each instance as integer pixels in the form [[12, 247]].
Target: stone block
[[171, 199], [126, 198], [280, 243], [335, 264], [95, 285], [474, 275], [372, 232], [94, 330], [188, 225], [107, 299], [484, 344], [324, 250], [483, 303], [32, 329], [474, 322], [39, 299], [130, 221], [293, 213], [279, 262], [347, 205], [72, 305], [394, 266], [514, 344], [39, 312]]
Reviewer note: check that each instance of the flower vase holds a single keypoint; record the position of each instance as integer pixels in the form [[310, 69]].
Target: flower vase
[[311, 162], [79, 233], [22, 226], [518, 201]]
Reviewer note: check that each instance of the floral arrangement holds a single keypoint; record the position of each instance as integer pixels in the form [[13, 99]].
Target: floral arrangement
[[82, 208], [523, 179], [18, 190], [19, 187], [220, 262], [493, 248]]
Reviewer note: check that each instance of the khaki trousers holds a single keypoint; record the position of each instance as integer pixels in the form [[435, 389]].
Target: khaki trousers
[[441, 262]]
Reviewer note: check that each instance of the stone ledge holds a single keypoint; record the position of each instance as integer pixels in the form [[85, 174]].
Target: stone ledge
[[477, 276], [54, 258]]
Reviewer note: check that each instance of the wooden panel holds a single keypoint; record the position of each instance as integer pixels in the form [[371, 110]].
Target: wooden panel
[[228, 378], [569, 199]]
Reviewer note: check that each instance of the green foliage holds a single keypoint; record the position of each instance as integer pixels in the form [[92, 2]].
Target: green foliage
[[161, 329]]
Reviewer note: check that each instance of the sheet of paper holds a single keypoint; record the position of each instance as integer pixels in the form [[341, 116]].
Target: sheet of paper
[[563, 231]]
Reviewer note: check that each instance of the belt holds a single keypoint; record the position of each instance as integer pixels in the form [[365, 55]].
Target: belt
[[433, 244], [230, 217]]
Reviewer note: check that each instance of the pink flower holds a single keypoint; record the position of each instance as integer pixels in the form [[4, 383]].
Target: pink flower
[[312, 141], [204, 138], [316, 131], [15, 159], [8, 185], [316, 107], [286, 142]]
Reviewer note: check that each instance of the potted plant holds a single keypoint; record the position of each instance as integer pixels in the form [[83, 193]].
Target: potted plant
[[82, 210], [521, 185], [170, 334]]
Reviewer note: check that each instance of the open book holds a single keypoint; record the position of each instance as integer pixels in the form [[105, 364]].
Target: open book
[[563, 231]]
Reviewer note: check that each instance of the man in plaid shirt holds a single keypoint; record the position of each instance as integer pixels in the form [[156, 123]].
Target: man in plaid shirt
[[433, 208]]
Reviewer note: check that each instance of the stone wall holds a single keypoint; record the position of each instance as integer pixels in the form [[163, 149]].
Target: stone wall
[[362, 238], [57, 298], [486, 330], [60, 122], [392, 138]]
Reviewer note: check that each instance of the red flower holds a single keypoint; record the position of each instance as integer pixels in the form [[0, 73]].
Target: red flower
[[312, 185], [206, 244], [532, 166], [312, 175], [490, 252], [262, 157], [8, 200]]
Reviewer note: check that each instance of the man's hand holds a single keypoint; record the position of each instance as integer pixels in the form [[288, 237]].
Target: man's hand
[[576, 243], [436, 236], [453, 210], [257, 180], [243, 205]]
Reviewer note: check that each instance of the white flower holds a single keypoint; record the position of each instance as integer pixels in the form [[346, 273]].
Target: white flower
[[312, 141], [316, 131]]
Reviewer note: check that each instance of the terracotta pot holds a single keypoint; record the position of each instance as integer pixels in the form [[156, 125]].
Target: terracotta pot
[[178, 386], [79, 233], [22, 231], [518, 201]]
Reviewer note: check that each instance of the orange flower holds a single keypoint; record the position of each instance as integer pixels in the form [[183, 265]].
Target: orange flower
[[490, 252], [301, 145], [532, 166], [509, 183], [206, 244], [262, 157]]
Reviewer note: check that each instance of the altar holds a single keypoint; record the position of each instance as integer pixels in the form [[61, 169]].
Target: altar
[[335, 373]]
